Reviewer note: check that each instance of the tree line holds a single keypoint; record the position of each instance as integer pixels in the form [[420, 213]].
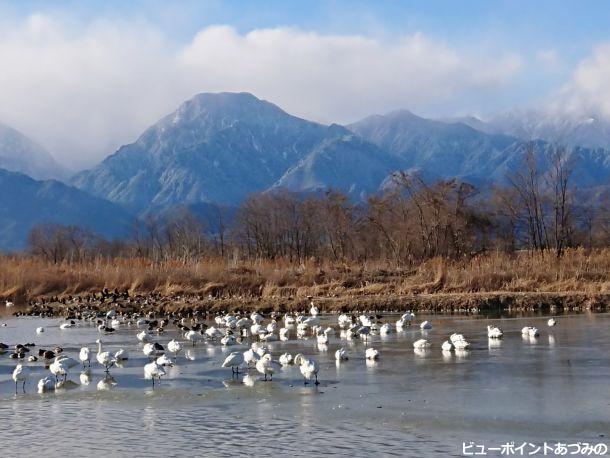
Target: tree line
[[537, 208]]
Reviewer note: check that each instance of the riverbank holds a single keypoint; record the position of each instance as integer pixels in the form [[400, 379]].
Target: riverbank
[[492, 281]]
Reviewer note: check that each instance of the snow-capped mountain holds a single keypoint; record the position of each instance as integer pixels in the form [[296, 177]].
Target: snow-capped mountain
[[18, 153]]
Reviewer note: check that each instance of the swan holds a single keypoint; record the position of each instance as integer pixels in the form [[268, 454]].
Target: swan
[[227, 341], [313, 311], [193, 337], [284, 333], [494, 332], [288, 320], [344, 320], [234, 360], [455, 337], [371, 353], [153, 349], [20, 375], [251, 357], [67, 325], [385, 329], [121, 354], [341, 354], [174, 347], [322, 338], [39, 330], [57, 368], [272, 327], [308, 367], [426, 325], [46, 384], [144, 336], [364, 332], [447, 346], [213, 332], [285, 359], [533, 332], [525, 330], [104, 357], [256, 317], [460, 345], [421, 344], [152, 370], [163, 360], [84, 356], [265, 366], [551, 322]]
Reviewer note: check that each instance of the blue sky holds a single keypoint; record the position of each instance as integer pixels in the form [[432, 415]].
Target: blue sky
[[110, 68]]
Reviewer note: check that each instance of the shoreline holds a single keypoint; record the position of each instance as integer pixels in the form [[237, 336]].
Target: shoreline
[[475, 302]]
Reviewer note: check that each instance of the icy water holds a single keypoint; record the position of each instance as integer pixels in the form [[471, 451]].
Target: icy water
[[553, 388]]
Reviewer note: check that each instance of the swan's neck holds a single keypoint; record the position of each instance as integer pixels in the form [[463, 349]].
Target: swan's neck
[[99, 347]]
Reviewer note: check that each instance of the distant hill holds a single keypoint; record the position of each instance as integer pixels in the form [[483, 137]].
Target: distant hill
[[18, 153], [25, 202]]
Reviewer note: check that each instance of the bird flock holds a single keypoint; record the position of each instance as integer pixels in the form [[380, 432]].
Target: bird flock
[[253, 330]]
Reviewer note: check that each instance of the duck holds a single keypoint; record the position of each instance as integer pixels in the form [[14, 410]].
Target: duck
[[265, 366], [104, 357], [371, 354], [20, 375], [153, 370], [341, 354], [234, 360], [308, 367], [85, 356]]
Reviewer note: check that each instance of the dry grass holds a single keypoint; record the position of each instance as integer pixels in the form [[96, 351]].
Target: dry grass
[[24, 278]]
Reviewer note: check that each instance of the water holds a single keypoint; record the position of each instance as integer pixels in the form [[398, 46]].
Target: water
[[553, 388]]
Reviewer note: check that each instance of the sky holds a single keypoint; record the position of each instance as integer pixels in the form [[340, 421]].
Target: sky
[[83, 78]]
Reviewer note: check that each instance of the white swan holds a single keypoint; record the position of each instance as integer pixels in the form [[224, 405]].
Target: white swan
[[285, 359], [461, 345], [153, 370], [104, 357], [371, 353], [20, 375], [426, 325], [85, 356], [121, 354], [421, 344], [551, 322], [193, 337], [494, 332], [308, 367], [265, 366], [163, 360], [234, 360], [447, 346], [284, 333], [174, 347], [46, 384], [144, 336], [341, 354], [251, 357], [313, 311], [57, 368], [385, 329], [39, 330]]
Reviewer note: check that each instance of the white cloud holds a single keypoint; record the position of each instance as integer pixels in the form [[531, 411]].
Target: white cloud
[[84, 91], [588, 91]]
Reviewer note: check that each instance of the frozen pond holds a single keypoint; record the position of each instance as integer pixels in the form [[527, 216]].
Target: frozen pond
[[551, 388]]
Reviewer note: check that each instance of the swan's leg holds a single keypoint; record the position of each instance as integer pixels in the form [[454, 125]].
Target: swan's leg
[[153, 381], [15, 387], [317, 383], [24, 387]]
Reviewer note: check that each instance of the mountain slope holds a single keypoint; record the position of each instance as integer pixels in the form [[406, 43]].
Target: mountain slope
[[214, 148], [25, 202], [20, 154]]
